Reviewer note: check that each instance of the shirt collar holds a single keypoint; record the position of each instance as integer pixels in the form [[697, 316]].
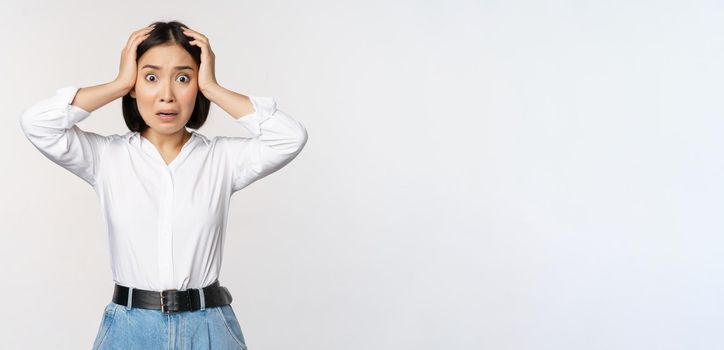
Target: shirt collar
[[134, 137]]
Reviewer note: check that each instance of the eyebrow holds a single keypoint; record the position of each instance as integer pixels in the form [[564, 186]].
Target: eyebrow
[[159, 68]]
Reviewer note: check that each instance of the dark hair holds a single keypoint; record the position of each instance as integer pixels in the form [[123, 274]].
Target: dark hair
[[162, 34]]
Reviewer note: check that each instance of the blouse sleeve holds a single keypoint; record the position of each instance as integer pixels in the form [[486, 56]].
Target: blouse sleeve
[[276, 139], [50, 127]]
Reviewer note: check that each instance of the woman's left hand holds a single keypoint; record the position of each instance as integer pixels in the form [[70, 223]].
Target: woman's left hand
[[206, 75]]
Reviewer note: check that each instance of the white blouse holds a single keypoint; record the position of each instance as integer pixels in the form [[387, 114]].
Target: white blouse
[[165, 224]]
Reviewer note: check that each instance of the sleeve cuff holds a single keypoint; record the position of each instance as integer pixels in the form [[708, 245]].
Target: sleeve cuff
[[264, 108], [64, 96]]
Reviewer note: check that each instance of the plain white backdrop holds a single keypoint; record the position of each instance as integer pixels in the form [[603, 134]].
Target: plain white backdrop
[[478, 175]]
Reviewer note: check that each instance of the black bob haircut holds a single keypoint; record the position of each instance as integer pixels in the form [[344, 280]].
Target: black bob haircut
[[165, 33]]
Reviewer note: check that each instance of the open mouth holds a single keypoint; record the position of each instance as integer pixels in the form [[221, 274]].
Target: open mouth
[[167, 116]]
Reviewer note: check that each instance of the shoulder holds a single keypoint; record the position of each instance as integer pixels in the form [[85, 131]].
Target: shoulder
[[225, 141], [203, 138], [215, 144]]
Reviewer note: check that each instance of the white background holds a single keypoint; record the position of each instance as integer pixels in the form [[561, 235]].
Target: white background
[[478, 174]]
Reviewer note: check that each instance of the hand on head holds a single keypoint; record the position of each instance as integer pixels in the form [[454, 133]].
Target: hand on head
[[128, 70]]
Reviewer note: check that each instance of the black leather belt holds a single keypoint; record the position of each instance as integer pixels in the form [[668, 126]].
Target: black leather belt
[[173, 300]]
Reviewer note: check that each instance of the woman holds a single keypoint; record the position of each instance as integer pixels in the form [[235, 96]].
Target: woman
[[165, 191]]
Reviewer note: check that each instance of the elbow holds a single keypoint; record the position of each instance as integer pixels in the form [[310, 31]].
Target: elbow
[[303, 136], [300, 139], [31, 124], [26, 121]]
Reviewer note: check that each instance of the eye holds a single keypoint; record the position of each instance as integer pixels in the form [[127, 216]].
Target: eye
[[185, 76], [148, 75]]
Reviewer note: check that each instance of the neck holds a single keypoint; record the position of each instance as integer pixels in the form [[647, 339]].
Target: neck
[[167, 141]]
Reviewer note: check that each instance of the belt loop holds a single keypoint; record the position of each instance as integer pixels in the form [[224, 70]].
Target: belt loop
[[202, 298], [130, 298]]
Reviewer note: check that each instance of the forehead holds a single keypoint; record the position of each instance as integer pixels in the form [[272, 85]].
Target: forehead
[[167, 56]]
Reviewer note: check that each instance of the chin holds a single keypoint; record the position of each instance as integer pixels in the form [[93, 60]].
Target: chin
[[168, 128]]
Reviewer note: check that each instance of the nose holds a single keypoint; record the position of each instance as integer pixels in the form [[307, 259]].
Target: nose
[[166, 93]]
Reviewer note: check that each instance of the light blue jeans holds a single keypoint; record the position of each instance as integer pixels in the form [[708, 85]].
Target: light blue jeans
[[148, 329]]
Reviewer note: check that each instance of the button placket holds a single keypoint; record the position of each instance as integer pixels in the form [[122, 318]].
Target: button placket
[[165, 237]]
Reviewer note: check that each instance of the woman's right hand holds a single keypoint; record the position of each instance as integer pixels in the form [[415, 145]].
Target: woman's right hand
[[128, 71]]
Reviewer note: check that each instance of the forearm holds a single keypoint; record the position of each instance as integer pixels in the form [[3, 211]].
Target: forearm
[[94, 97], [235, 104]]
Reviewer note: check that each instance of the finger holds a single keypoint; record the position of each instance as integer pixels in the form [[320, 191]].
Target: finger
[[140, 39], [204, 46], [201, 40], [143, 30], [137, 40], [140, 32], [152, 26], [194, 34], [190, 33]]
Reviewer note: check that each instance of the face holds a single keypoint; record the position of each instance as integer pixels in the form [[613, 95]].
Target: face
[[166, 82]]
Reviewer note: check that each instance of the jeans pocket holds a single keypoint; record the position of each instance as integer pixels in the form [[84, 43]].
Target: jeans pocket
[[232, 324], [108, 315]]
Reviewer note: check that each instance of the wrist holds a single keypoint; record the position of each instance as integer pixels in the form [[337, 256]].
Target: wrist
[[210, 90], [121, 87]]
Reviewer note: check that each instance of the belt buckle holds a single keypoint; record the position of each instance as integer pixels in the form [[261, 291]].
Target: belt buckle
[[163, 301]]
